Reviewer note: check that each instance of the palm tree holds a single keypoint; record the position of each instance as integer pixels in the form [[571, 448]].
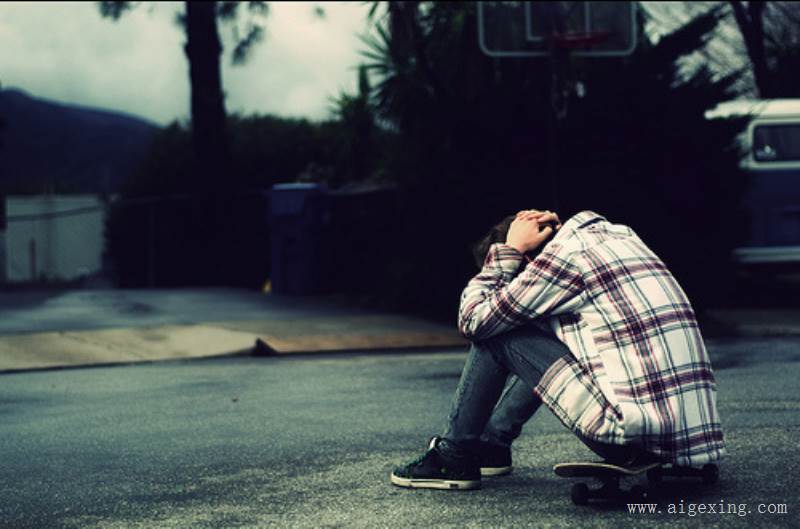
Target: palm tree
[[203, 50]]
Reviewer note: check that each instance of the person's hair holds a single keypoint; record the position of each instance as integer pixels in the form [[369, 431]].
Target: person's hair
[[496, 234]]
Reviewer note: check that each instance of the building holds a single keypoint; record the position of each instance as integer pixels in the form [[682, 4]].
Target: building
[[52, 237]]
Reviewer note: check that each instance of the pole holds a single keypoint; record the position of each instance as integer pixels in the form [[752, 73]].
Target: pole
[[558, 112], [558, 97], [151, 251], [552, 140]]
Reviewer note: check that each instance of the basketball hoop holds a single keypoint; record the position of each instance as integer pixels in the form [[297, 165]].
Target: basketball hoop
[[531, 29], [560, 33]]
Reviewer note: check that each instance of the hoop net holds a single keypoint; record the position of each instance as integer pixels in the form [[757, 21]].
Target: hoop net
[[563, 83], [579, 40]]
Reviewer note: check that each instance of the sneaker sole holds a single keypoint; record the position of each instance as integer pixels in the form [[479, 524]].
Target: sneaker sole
[[442, 484], [496, 471]]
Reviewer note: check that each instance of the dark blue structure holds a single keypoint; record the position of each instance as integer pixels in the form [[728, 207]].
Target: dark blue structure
[[299, 219]]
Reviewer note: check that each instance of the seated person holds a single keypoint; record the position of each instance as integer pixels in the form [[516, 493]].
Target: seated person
[[596, 328]]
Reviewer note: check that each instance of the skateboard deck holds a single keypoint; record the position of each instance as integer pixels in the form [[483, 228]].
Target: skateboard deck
[[590, 469], [610, 476]]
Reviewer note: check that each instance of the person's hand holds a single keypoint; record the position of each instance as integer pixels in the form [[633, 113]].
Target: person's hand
[[542, 217], [530, 229]]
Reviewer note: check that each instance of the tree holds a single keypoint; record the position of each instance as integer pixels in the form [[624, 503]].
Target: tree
[[770, 31], [2, 195], [782, 36], [470, 146], [197, 234], [356, 122], [151, 234], [203, 50], [750, 19], [771, 60]]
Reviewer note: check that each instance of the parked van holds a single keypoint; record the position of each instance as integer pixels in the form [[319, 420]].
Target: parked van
[[771, 145]]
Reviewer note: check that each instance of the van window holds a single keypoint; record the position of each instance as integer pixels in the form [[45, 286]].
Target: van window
[[776, 143]]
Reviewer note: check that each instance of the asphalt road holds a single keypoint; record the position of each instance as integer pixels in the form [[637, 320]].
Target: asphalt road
[[310, 442], [77, 310]]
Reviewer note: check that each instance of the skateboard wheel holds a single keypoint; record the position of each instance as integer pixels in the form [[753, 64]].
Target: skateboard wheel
[[580, 494], [710, 474], [654, 475]]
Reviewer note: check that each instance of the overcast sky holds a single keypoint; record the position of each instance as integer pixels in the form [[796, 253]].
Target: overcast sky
[[66, 52]]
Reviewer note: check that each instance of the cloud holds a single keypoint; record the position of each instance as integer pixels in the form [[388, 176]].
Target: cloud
[[302, 61], [65, 51]]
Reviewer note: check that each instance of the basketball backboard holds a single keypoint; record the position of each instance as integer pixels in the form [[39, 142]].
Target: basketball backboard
[[532, 29]]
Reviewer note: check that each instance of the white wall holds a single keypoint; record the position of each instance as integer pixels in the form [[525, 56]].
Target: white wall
[[66, 246]]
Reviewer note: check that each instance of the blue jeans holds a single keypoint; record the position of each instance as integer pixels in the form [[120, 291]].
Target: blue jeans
[[494, 398]]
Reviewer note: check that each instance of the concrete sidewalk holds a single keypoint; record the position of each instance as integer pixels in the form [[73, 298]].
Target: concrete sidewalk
[[118, 346], [83, 328], [759, 322], [46, 330]]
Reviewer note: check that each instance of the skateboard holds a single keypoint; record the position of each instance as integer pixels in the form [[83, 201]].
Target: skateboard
[[610, 476]]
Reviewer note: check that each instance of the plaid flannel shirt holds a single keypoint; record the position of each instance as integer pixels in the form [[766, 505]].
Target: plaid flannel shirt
[[639, 372]]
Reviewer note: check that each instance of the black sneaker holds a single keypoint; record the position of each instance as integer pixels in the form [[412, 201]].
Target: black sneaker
[[494, 460], [435, 471]]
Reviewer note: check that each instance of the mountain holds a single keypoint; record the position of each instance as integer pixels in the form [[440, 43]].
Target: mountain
[[48, 146]]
